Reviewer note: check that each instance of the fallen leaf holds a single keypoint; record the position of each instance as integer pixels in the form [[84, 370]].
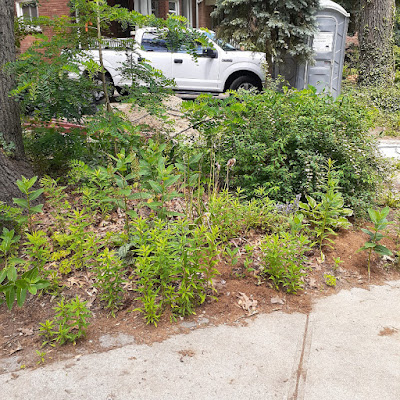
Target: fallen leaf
[[74, 281], [18, 348], [312, 282], [26, 331], [247, 304], [277, 300]]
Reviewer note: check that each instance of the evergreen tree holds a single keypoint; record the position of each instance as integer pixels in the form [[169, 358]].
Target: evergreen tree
[[275, 27]]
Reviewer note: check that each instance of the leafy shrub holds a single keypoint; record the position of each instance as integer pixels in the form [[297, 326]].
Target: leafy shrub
[[70, 322], [51, 148], [284, 260], [174, 265], [329, 213], [109, 278], [233, 214], [282, 141], [382, 103]]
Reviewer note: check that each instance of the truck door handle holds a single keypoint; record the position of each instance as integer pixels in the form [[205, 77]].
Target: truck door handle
[[178, 61]]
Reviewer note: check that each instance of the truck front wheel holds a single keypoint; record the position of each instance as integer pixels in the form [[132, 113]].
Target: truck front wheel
[[244, 82], [98, 94]]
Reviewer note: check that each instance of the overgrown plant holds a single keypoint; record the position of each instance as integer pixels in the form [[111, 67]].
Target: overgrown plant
[[282, 141], [329, 213], [284, 260], [158, 179], [69, 324], [109, 279], [174, 264], [13, 284], [25, 186], [76, 247], [380, 222]]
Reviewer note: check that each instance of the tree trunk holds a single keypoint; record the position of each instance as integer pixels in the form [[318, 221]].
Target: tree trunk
[[12, 164], [376, 42]]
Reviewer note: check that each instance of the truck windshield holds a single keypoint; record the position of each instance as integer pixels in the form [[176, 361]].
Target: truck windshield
[[224, 45]]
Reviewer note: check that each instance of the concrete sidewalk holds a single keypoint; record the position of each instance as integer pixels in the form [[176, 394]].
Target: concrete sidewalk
[[347, 348]]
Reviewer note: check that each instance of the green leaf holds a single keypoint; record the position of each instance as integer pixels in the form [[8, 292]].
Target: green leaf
[[369, 245], [124, 192], [37, 209], [373, 214], [171, 180], [132, 213], [42, 284], [384, 213], [195, 159], [10, 297], [34, 195], [32, 289], [31, 274], [155, 186], [12, 274], [21, 202], [382, 250], [21, 296], [193, 179], [21, 284], [3, 274], [369, 233], [140, 196]]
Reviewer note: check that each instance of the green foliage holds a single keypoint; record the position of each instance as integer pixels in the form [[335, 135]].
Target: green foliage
[[44, 89], [109, 279], [382, 104], [283, 260], [70, 322], [328, 214], [233, 215], [76, 247], [158, 179], [107, 132], [380, 222], [37, 249], [10, 217], [274, 27], [15, 286], [174, 264], [52, 148], [282, 142], [25, 185], [330, 280], [56, 198]]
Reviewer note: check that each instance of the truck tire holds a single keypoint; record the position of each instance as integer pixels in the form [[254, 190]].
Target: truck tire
[[245, 82], [98, 94]]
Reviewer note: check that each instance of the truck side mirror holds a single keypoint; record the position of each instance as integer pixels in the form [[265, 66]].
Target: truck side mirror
[[208, 52]]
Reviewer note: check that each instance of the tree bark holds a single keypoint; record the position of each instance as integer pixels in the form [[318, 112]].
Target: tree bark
[[12, 156], [376, 42]]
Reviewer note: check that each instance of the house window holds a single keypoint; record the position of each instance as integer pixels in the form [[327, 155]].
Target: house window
[[173, 7], [27, 9], [154, 7]]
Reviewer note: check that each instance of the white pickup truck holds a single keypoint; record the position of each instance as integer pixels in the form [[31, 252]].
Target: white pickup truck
[[217, 68]]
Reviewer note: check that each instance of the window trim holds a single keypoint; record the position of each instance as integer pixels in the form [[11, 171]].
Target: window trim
[[20, 14], [177, 10]]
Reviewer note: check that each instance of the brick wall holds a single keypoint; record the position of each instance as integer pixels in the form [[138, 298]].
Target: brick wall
[[205, 19], [48, 8]]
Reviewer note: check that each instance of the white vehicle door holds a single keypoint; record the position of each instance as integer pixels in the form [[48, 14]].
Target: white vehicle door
[[154, 50], [201, 74]]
